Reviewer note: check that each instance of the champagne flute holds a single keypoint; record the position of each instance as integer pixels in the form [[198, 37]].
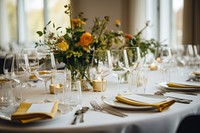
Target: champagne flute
[[46, 70], [101, 66]]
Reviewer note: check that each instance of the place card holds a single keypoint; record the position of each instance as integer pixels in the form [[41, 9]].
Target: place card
[[41, 107], [143, 99]]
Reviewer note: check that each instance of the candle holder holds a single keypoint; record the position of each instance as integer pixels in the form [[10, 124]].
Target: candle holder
[[153, 67], [56, 88], [97, 84]]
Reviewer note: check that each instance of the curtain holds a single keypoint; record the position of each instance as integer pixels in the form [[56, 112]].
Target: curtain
[[4, 27], [191, 22]]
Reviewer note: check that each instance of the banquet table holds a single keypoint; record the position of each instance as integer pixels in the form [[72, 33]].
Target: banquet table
[[137, 121]]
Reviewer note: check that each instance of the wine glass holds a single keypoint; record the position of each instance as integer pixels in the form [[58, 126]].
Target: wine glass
[[196, 57], [137, 78], [119, 64], [101, 66], [20, 71], [7, 65], [164, 62], [32, 58], [134, 57], [46, 70]]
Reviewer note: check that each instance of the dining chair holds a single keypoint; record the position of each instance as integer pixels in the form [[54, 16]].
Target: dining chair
[[190, 124]]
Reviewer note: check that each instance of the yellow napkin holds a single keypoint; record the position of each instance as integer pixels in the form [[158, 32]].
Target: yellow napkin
[[161, 106], [21, 115], [196, 73], [172, 84]]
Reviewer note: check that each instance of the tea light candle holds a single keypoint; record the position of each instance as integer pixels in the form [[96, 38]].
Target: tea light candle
[[97, 84], [158, 60], [55, 88], [153, 66]]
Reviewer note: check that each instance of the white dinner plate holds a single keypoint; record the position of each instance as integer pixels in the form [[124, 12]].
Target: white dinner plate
[[5, 113], [164, 85], [111, 101]]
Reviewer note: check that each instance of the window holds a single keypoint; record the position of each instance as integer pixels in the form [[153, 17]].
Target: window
[[56, 12], [34, 17], [178, 21], [12, 19], [166, 18], [25, 17]]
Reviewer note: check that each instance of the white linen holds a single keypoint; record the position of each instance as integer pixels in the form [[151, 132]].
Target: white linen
[[137, 121]]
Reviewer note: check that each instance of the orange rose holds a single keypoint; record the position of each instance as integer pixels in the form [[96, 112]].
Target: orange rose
[[129, 36], [117, 22], [85, 39], [63, 46]]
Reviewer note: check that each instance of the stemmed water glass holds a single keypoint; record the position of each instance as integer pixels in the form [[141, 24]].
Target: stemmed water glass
[[101, 66], [20, 70], [137, 78], [46, 70], [119, 64], [134, 57], [7, 66], [164, 61], [33, 58]]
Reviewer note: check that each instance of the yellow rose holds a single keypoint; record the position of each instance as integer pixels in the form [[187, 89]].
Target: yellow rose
[[63, 46], [85, 39], [77, 22]]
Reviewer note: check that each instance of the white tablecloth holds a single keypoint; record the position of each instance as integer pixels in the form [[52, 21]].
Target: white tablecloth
[[136, 122]]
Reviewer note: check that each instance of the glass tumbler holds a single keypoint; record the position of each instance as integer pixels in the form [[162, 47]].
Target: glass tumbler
[[75, 94], [7, 97]]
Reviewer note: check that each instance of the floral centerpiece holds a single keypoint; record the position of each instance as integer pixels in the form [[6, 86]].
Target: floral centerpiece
[[75, 46]]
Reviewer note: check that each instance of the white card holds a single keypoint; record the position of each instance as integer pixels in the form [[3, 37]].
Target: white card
[[41, 108], [143, 99]]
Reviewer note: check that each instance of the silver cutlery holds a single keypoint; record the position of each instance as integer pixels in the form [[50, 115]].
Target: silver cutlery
[[76, 114], [106, 110], [161, 92], [83, 110], [193, 79], [179, 100], [79, 112]]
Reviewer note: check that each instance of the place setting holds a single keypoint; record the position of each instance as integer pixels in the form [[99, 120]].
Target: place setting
[[139, 102], [194, 76], [180, 90], [28, 112], [180, 85]]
